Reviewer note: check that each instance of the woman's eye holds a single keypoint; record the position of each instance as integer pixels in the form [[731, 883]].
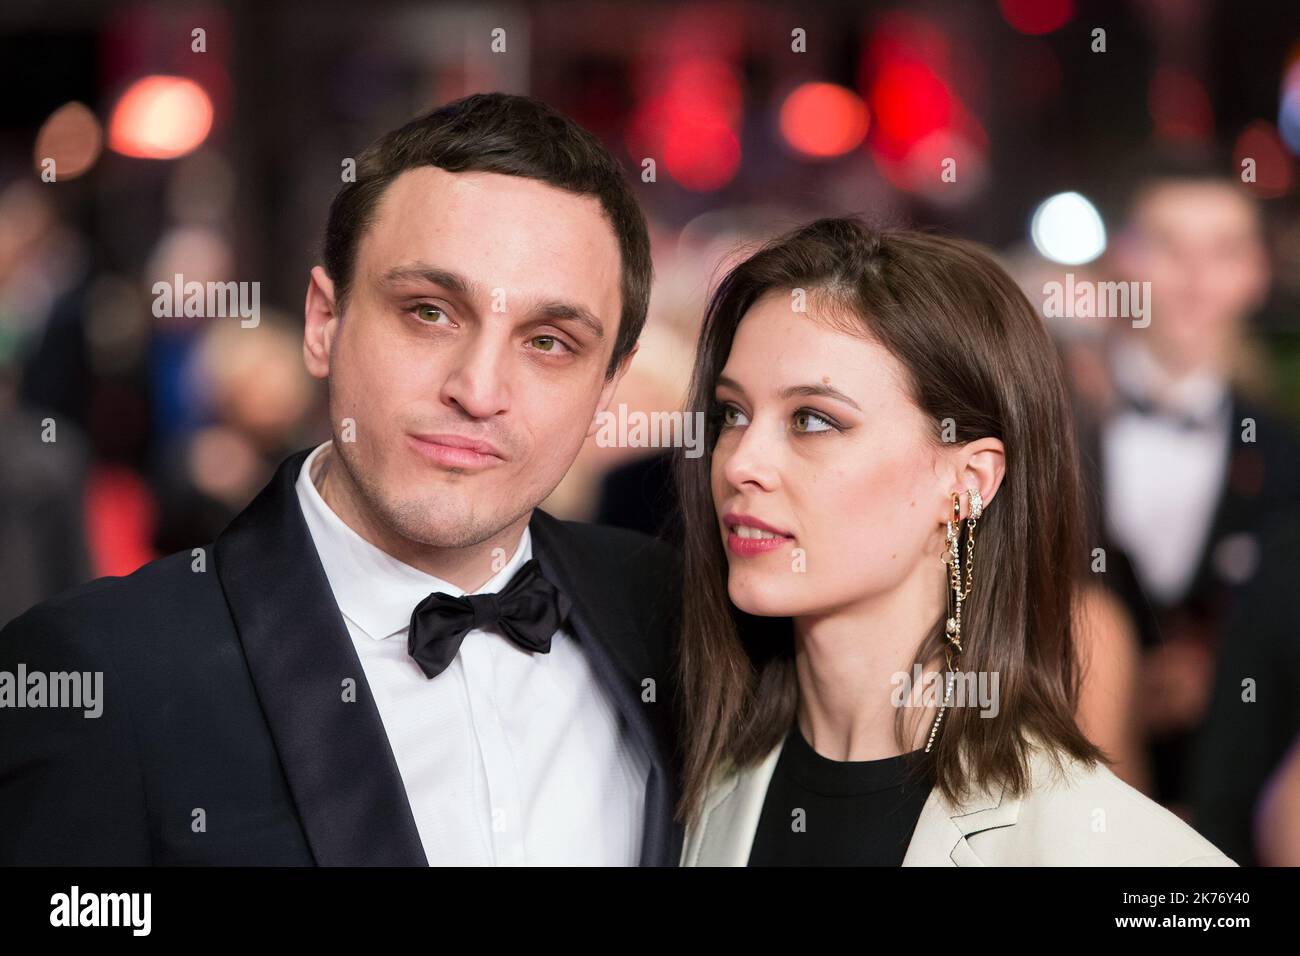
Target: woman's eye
[[807, 421], [429, 313], [731, 416]]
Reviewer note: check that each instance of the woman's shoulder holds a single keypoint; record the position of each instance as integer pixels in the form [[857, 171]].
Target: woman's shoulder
[[1080, 814]]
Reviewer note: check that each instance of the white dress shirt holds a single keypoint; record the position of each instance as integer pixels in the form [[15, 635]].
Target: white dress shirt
[[1162, 482], [508, 757]]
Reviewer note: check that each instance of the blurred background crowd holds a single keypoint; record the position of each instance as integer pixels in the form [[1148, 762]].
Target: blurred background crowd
[[1136, 141]]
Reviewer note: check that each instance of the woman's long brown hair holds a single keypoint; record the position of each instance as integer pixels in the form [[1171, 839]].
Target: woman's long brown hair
[[977, 355]]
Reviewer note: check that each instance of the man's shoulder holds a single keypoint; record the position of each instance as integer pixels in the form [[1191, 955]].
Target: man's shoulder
[[622, 542], [165, 592], [626, 570], [607, 546]]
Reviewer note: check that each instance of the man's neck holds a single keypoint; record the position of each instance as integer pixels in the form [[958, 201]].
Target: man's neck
[[1166, 378], [468, 568]]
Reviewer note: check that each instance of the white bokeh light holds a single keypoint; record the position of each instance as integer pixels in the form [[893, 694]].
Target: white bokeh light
[[1067, 228]]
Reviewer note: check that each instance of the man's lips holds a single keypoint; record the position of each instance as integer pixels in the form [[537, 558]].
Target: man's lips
[[456, 451]]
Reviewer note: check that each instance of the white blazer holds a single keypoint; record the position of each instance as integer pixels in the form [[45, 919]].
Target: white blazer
[[1088, 817]]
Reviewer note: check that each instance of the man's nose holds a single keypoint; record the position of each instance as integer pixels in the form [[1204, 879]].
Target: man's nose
[[480, 382]]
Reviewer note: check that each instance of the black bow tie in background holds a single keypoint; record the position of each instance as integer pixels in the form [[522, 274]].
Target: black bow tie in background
[[528, 610], [1185, 421]]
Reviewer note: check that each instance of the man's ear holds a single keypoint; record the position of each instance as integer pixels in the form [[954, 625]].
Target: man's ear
[[321, 323], [1261, 277], [607, 391]]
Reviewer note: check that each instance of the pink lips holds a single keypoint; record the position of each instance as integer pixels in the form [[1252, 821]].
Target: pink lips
[[456, 451], [750, 547]]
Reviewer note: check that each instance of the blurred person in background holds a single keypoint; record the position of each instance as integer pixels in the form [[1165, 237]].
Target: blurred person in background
[[636, 491], [43, 471], [81, 355], [260, 400], [1277, 825], [1244, 789], [1110, 654], [1188, 465]]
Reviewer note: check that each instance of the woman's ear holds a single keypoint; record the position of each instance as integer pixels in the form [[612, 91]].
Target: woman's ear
[[982, 464]]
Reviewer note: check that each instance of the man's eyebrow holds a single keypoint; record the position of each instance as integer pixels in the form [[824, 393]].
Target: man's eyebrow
[[561, 311], [825, 391], [454, 282], [421, 272]]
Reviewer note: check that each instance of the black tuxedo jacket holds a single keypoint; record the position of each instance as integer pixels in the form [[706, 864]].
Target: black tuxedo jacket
[[1262, 488], [225, 737]]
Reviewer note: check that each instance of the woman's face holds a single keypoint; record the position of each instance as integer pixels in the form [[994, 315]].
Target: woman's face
[[820, 443]]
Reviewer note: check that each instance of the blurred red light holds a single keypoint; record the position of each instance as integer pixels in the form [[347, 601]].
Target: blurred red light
[[1273, 164], [690, 121], [1180, 107], [824, 120], [160, 117], [1036, 16], [908, 102], [700, 154]]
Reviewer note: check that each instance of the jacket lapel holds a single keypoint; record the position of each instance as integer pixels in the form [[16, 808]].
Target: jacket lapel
[[724, 834], [608, 630], [942, 828], [334, 752]]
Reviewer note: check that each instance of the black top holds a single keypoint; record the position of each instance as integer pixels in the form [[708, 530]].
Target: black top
[[823, 812]]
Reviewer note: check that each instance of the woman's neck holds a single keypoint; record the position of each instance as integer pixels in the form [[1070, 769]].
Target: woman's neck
[[848, 664]]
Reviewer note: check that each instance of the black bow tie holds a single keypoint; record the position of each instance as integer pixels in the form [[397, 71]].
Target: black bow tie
[[528, 610], [1184, 421]]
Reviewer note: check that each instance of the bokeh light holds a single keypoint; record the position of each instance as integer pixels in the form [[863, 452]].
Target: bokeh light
[[691, 120], [1180, 106], [824, 120], [1288, 113], [1273, 174], [1036, 16], [72, 138], [160, 117], [1068, 229]]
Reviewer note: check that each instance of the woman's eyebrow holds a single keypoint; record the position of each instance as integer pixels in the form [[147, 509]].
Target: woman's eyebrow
[[824, 391], [731, 383]]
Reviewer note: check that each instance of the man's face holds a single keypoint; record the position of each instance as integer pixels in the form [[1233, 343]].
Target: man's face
[[483, 308], [1199, 245]]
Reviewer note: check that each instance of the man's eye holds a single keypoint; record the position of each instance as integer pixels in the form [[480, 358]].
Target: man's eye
[[808, 422], [429, 313], [547, 343]]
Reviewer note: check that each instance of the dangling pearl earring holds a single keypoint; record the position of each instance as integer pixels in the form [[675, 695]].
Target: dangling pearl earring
[[958, 590]]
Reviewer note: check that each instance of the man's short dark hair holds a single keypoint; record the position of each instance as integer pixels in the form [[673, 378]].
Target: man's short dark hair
[[499, 133], [1163, 165]]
